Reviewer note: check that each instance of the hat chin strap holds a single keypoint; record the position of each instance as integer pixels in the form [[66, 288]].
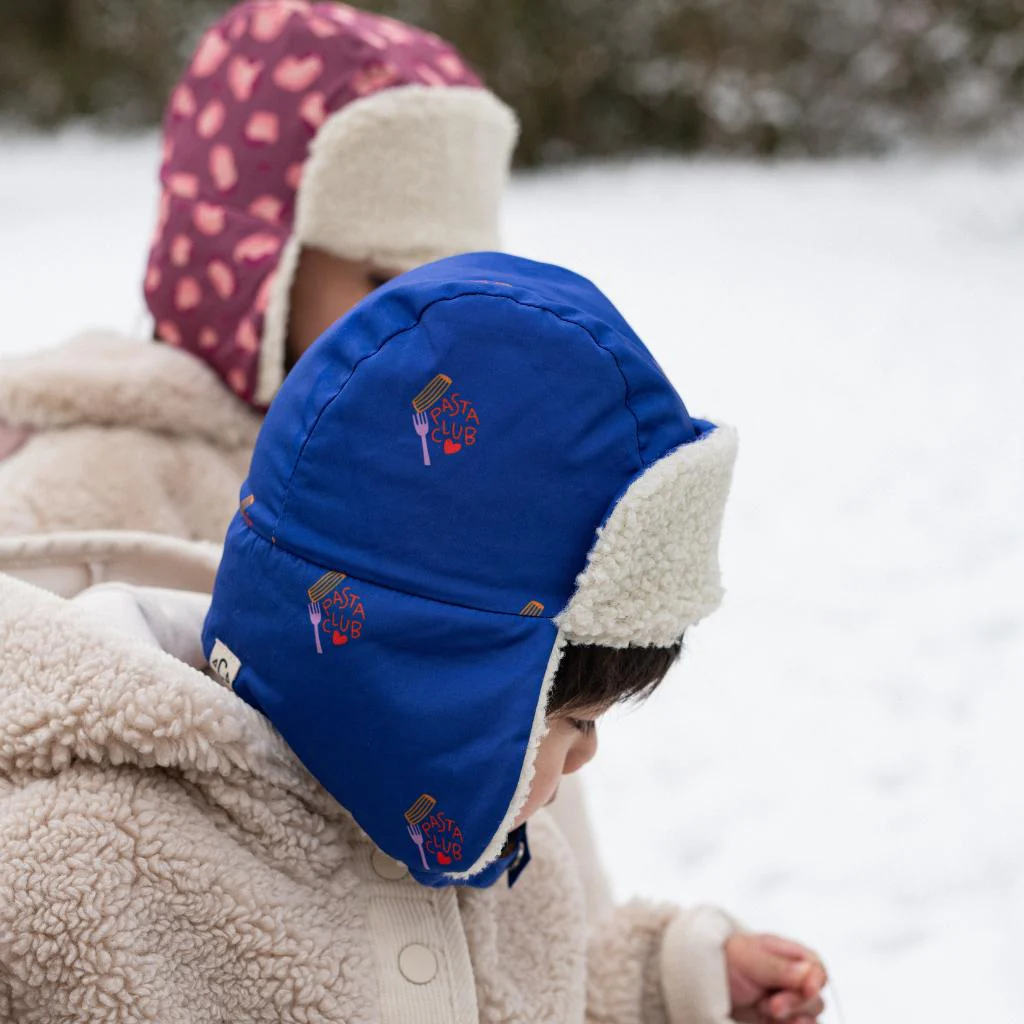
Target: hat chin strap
[[404, 177]]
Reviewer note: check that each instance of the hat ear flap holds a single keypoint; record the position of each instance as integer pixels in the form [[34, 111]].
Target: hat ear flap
[[653, 570], [537, 733]]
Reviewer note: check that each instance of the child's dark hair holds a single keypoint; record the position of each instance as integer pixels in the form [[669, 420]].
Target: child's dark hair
[[593, 676]]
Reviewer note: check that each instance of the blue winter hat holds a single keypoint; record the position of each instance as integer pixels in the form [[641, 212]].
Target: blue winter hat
[[478, 464]]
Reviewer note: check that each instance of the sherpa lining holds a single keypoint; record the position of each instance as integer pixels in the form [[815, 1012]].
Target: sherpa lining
[[653, 570], [404, 177]]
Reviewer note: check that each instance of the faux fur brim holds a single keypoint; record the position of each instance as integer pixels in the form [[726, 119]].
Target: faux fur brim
[[101, 378], [653, 569], [401, 178]]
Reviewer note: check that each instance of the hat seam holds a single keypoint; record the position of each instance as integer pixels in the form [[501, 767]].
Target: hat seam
[[387, 586], [413, 326]]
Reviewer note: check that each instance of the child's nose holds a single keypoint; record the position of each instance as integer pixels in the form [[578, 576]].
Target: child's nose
[[583, 751]]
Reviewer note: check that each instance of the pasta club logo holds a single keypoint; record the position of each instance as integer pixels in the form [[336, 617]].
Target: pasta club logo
[[445, 416], [335, 611], [243, 507], [434, 833]]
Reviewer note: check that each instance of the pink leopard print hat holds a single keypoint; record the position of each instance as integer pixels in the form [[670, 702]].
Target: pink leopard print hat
[[312, 124]]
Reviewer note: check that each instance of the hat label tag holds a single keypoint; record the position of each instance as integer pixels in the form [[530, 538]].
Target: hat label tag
[[225, 662]]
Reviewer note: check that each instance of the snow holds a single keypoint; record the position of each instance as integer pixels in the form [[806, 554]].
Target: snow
[[837, 756]]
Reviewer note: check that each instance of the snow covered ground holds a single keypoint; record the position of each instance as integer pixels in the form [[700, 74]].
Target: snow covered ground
[[838, 756]]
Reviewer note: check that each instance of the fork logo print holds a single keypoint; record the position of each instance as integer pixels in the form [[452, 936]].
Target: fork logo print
[[444, 416], [433, 832], [335, 611]]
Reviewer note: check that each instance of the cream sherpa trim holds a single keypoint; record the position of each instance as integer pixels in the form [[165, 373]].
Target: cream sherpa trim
[[407, 176], [537, 733], [271, 370], [694, 978], [653, 569], [105, 379], [65, 563], [404, 177]]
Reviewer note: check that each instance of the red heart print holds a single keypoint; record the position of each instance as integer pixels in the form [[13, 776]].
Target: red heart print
[[443, 859], [312, 110], [222, 277], [211, 52], [263, 127], [450, 446], [223, 168], [242, 75], [188, 294], [254, 248], [211, 120], [209, 218], [295, 74], [338, 638], [269, 23]]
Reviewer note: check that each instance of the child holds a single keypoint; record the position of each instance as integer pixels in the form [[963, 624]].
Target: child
[[480, 516], [310, 151]]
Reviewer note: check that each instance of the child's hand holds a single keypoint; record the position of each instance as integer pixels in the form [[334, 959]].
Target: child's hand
[[773, 979]]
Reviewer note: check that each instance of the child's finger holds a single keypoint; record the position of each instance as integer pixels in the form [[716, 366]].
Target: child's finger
[[770, 970], [780, 1006], [810, 1010], [789, 1007], [816, 976], [787, 947], [816, 980], [806, 1014]]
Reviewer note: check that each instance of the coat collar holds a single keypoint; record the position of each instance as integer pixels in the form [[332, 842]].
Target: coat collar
[[74, 692], [105, 379]]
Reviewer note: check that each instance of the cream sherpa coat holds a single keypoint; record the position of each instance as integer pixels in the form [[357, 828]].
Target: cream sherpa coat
[[121, 434], [164, 857]]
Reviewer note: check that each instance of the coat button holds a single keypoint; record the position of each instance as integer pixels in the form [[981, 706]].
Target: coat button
[[388, 868], [417, 964]]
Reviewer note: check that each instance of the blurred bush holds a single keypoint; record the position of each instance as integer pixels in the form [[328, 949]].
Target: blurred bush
[[597, 77]]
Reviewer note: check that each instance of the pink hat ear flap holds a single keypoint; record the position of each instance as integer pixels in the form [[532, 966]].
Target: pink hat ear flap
[[273, 348]]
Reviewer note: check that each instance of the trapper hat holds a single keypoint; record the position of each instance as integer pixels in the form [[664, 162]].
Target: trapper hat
[[312, 124], [478, 464]]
